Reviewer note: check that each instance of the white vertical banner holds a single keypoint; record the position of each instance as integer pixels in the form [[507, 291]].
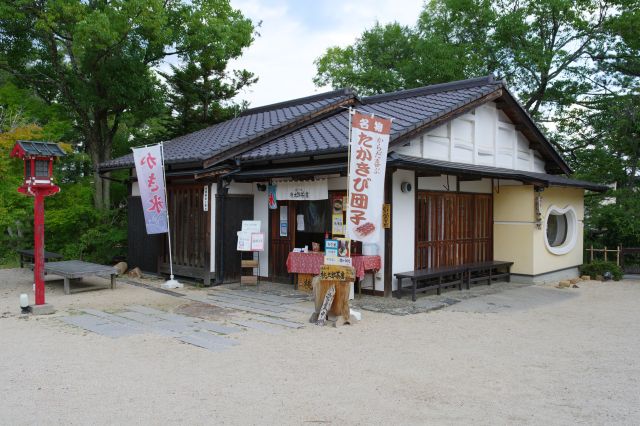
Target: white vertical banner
[[150, 172], [369, 142]]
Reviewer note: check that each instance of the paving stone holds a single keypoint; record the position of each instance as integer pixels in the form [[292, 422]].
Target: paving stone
[[278, 321], [218, 328], [255, 325], [268, 297], [100, 326], [239, 307], [243, 302], [207, 341]]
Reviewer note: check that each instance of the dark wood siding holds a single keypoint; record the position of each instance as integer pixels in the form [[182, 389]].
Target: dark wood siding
[[190, 233], [452, 229], [142, 249]]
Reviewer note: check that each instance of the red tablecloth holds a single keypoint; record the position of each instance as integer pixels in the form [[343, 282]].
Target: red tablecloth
[[310, 263]]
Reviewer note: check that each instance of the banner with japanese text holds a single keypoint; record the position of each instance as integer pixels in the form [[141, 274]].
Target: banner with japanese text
[[150, 174], [367, 165]]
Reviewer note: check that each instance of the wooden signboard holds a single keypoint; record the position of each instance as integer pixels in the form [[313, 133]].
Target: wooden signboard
[[386, 216]]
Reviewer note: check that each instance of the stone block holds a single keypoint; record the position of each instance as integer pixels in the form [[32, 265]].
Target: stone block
[[574, 280], [135, 273], [121, 267], [45, 309], [564, 284], [599, 278], [585, 278]]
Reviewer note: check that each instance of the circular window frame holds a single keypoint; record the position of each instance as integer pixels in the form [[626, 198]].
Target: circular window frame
[[572, 229]]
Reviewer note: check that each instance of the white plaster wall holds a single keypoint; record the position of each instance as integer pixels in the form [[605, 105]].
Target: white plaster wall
[[403, 224], [135, 189], [437, 183], [261, 213], [483, 136], [476, 186]]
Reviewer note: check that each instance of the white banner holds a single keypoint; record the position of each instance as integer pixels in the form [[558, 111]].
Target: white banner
[[302, 190], [150, 174], [367, 165]]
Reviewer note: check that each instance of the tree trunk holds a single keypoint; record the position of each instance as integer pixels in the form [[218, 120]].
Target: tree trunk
[[99, 148]]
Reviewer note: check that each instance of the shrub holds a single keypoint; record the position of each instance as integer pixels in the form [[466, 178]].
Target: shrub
[[599, 268]]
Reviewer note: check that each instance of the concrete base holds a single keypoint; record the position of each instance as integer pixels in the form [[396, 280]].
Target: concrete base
[[45, 309], [549, 277]]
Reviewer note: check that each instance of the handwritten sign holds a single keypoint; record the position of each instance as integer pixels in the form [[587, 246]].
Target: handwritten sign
[[257, 241], [337, 273], [150, 173]]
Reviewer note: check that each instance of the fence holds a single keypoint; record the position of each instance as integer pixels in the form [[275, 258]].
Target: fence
[[605, 250], [628, 258]]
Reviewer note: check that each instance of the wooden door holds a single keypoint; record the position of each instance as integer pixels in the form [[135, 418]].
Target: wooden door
[[281, 242], [236, 209], [452, 229]]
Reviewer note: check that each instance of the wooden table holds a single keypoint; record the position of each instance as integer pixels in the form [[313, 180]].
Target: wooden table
[[26, 256], [74, 269]]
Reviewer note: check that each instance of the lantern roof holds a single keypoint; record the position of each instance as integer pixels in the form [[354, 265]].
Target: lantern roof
[[36, 149]]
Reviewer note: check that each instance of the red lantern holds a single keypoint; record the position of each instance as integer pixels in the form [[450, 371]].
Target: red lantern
[[38, 160]]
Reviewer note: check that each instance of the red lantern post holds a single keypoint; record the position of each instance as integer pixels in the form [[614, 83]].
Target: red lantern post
[[38, 160]]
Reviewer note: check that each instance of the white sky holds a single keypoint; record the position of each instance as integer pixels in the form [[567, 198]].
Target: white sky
[[296, 32]]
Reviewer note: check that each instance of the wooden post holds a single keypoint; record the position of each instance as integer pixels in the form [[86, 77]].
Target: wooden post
[[605, 253], [591, 261], [618, 255]]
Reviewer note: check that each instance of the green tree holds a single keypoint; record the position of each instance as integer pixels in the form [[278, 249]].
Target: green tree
[[539, 46], [97, 57], [200, 95]]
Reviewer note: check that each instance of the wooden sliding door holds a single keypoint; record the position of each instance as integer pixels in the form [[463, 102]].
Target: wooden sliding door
[[452, 229]]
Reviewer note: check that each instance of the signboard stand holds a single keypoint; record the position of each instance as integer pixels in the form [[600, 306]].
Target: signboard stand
[[251, 240]]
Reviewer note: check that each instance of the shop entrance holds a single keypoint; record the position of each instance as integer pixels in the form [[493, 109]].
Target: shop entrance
[[302, 224]]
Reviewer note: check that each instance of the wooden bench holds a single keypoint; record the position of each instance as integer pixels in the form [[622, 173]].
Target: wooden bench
[[27, 255], [76, 269], [438, 278], [489, 270], [448, 276]]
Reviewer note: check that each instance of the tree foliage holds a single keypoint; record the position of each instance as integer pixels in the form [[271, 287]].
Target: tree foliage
[[574, 64], [97, 58]]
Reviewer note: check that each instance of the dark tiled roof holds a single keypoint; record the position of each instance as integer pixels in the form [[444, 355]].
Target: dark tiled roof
[[447, 167], [410, 109], [41, 148], [254, 123]]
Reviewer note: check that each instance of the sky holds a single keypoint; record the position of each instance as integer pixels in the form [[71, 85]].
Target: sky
[[294, 33]]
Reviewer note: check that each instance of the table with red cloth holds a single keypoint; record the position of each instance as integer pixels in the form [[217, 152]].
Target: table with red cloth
[[310, 263]]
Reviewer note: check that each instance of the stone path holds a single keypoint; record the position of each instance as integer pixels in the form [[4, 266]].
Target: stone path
[[264, 312]]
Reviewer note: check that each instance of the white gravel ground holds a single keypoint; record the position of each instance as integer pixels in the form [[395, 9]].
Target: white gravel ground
[[489, 360]]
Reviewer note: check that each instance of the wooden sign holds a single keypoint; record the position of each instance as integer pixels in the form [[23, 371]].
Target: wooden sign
[[386, 216], [337, 273]]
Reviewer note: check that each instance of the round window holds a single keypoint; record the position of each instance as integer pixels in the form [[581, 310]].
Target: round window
[[560, 229]]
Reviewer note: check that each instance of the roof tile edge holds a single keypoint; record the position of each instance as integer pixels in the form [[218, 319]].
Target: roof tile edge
[[434, 88], [299, 101]]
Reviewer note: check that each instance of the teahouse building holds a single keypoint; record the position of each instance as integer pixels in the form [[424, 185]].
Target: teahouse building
[[470, 177]]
